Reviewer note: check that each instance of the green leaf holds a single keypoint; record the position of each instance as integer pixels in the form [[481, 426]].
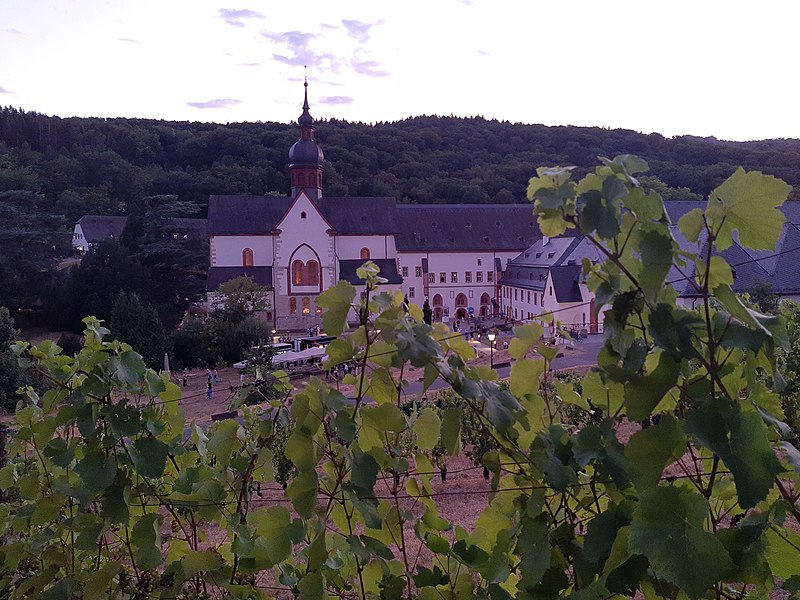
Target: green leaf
[[386, 417], [427, 428], [128, 367], [275, 533], [337, 300], [364, 471], [96, 470], [644, 392], [194, 562], [534, 546], [655, 248], [302, 491], [691, 224], [651, 450], [747, 203], [223, 439], [525, 377], [667, 528], [740, 440], [782, 553], [146, 539], [149, 456], [525, 336], [451, 431]]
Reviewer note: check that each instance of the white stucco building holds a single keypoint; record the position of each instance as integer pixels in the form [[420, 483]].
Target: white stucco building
[[547, 278], [300, 245]]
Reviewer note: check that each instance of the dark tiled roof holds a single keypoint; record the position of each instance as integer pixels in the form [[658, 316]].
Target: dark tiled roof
[[524, 276], [219, 275], [96, 228], [388, 267], [359, 216], [441, 227], [566, 283], [245, 215]]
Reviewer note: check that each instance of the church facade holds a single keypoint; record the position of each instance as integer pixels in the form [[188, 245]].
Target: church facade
[[299, 245]]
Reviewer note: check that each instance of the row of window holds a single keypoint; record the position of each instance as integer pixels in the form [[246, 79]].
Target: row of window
[[305, 303], [467, 277], [305, 274], [537, 297], [247, 258]]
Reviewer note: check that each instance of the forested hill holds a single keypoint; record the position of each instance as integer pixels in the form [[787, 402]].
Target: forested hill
[[90, 165]]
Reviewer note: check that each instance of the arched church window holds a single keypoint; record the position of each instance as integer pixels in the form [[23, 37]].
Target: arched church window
[[247, 257], [306, 306], [303, 215], [312, 273], [365, 254], [292, 306], [297, 272]]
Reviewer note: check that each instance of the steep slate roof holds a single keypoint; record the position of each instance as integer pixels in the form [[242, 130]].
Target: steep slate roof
[[219, 275], [360, 216], [776, 268], [566, 282], [525, 276], [245, 215], [442, 227], [388, 267], [96, 228]]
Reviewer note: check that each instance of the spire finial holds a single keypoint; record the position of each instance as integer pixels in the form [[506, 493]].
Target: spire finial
[[305, 118]]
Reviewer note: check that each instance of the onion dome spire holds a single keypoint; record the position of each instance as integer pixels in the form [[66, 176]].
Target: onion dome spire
[[305, 156]]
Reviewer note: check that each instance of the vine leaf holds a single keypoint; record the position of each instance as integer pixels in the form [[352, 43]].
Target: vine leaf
[[149, 456], [747, 203], [650, 450], [336, 300], [667, 528], [740, 440]]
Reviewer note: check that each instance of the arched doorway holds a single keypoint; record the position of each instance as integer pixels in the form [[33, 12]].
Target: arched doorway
[[437, 307], [461, 306], [486, 305]]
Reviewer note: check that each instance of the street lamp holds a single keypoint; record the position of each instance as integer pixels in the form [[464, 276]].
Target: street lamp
[[491, 335]]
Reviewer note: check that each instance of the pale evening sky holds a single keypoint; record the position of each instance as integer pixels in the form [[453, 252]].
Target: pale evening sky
[[700, 67]]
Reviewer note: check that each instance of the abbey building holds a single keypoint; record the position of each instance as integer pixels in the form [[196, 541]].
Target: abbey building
[[300, 245]]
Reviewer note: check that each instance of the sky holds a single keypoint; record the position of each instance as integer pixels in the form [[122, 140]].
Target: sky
[[727, 69]]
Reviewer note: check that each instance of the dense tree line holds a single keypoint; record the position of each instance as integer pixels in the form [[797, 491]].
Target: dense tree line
[[54, 170], [92, 165]]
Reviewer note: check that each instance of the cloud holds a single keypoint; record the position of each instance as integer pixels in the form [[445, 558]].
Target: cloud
[[236, 18], [336, 100], [298, 52], [14, 31], [358, 29], [483, 52], [128, 40], [368, 67], [249, 64], [5, 91], [218, 103]]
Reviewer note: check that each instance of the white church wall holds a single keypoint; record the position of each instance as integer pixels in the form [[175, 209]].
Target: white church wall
[[226, 250]]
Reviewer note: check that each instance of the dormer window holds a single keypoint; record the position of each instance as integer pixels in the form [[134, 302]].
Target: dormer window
[[303, 215]]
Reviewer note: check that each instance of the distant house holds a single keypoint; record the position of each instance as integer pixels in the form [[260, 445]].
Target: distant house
[[547, 278], [777, 269], [92, 229]]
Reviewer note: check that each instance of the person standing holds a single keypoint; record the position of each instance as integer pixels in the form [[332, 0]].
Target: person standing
[[216, 377], [209, 389]]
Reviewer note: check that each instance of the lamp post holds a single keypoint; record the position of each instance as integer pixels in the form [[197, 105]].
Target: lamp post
[[491, 335]]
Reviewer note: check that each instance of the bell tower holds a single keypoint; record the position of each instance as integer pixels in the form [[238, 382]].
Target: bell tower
[[305, 157]]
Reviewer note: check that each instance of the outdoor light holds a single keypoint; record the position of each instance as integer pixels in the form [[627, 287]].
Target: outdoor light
[[491, 335]]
